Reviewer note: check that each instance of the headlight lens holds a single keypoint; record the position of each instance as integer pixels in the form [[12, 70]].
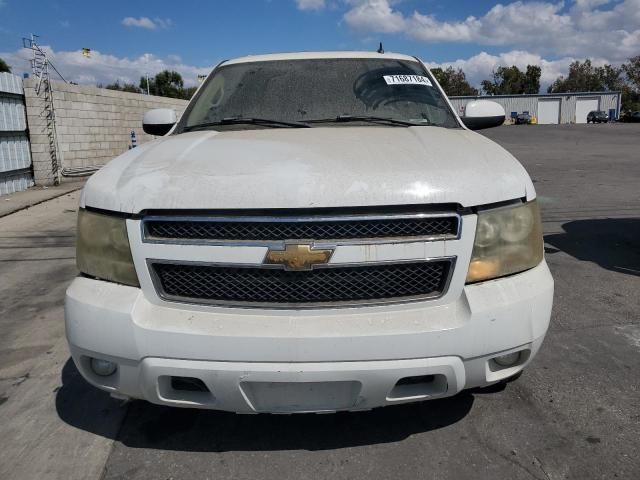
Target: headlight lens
[[103, 250], [508, 240]]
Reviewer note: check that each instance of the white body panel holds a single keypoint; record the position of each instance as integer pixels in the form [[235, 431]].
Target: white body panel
[[483, 108], [318, 55], [159, 116], [236, 351], [315, 359], [304, 168], [373, 346]]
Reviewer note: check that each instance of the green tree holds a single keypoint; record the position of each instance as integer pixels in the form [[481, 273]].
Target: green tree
[[584, 77], [4, 67], [532, 79], [611, 77], [513, 81], [631, 70], [631, 89], [167, 83], [125, 87], [188, 92], [454, 82]]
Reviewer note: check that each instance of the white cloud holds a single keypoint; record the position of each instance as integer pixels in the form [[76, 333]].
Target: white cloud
[[105, 68], [146, 22], [163, 22], [480, 67], [580, 29], [311, 4], [374, 16]]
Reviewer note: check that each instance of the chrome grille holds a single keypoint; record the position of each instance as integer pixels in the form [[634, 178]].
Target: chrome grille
[[269, 229], [274, 287]]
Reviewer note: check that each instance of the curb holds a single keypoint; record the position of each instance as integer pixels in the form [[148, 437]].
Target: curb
[[38, 202]]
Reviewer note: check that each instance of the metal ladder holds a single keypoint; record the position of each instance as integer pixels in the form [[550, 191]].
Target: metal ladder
[[40, 67]]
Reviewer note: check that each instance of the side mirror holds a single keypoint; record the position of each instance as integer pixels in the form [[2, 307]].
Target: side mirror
[[479, 114], [159, 121]]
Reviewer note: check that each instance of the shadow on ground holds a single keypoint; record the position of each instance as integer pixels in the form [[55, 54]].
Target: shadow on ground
[[151, 426], [612, 243]]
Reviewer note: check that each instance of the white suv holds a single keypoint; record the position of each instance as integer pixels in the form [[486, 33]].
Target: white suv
[[319, 232]]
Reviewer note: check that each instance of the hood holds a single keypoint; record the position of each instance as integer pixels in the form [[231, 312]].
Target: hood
[[343, 166]]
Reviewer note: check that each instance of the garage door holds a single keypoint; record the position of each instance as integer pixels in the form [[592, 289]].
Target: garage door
[[583, 107], [549, 111]]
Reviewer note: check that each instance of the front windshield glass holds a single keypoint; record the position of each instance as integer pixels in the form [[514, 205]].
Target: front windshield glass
[[318, 91]]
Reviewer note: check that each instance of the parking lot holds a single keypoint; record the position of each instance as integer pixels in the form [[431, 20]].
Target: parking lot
[[575, 413]]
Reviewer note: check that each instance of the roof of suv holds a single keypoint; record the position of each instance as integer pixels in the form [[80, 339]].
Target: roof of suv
[[316, 55]]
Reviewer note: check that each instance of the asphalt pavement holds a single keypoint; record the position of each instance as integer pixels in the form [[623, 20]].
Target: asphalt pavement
[[574, 414]]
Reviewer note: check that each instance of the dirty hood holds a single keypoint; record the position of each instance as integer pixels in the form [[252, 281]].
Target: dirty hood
[[307, 168]]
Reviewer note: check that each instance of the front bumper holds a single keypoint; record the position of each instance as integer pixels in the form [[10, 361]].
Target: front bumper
[[317, 360]]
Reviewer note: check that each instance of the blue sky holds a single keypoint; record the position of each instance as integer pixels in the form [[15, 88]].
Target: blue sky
[[128, 38]]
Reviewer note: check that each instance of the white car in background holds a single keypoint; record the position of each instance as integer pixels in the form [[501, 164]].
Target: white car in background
[[319, 232]]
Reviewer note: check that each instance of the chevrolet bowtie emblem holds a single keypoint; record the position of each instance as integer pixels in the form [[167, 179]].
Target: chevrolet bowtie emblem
[[298, 257]]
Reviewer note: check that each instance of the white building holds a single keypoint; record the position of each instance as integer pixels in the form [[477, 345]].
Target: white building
[[553, 108]]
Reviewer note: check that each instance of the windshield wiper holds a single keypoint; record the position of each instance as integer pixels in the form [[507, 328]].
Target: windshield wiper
[[365, 118], [267, 122]]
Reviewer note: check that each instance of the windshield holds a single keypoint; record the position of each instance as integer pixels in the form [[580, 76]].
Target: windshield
[[360, 90]]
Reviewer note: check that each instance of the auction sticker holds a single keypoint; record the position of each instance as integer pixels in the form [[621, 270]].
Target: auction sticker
[[407, 80]]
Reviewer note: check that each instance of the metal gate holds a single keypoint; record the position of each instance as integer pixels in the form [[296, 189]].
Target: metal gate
[[15, 155]]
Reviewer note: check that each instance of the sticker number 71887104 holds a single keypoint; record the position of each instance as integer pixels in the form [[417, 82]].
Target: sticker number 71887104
[[407, 80]]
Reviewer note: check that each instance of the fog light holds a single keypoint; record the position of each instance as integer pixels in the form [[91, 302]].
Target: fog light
[[103, 368], [507, 360]]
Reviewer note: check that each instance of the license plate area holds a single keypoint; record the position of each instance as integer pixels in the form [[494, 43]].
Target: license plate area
[[301, 397]]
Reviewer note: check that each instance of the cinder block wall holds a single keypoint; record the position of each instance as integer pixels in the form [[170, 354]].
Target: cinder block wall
[[93, 125]]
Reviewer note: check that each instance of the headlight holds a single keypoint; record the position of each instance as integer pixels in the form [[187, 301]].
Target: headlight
[[508, 240], [102, 250]]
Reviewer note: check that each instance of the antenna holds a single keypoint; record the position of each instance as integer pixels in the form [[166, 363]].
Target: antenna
[[380, 49]]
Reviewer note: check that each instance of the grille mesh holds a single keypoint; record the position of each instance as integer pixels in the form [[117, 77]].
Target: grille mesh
[[266, 286], [316, 230]]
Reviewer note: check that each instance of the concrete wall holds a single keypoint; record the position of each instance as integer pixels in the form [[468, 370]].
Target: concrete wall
[[93, 125]]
